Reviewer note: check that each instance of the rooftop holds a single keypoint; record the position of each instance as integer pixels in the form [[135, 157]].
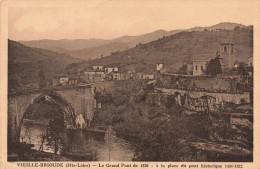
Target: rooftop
[[59, 76], [202, 60], [226, 43], [93, 71]]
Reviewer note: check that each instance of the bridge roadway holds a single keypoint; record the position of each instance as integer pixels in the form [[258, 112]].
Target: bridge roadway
[[47, 89]]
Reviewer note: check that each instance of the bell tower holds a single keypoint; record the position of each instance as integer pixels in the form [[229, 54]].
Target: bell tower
[[226, 53]]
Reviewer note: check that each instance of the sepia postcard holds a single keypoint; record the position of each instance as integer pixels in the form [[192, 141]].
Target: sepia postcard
[[129, 84]]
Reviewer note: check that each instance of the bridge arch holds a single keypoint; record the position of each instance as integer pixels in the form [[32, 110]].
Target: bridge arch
[[55, 99], [51, 98], [78, 105], [210, 102], [46, 118]]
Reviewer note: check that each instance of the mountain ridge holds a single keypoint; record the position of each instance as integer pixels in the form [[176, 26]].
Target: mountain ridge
[[84, 48]]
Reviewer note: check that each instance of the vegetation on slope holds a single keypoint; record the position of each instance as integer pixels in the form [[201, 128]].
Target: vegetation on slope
[[27, 65], [181, 48]]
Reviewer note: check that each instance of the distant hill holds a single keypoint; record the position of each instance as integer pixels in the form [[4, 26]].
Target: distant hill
[[181, 48], [65, 45], [24, 63], [222, 25], [96, 48], [98, 52]]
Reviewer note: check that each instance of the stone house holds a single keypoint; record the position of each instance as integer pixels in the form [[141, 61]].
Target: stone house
[[73, 81], [98, 68], [60, 80], [159, 66], [111, 69], [141, 75], [117, 76], [94, 76], [199, 67]]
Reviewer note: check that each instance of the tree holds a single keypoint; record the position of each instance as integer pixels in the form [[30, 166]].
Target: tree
[[110, 137], [56, 129], [214, 67], [183, 69], [55, 132], [241, 69], [42, 81], [159, 144], [237, 28], [43, 136]]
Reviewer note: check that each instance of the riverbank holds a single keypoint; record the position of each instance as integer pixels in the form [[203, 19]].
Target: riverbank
[[23, 152]]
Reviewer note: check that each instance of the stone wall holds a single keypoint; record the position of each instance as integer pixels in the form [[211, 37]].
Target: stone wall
[[218, 84], [220, 97], [192, 104], [161, 100], [195, 101], [120, 86]]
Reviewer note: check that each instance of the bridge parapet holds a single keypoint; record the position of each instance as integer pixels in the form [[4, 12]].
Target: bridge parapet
[[48, 89]]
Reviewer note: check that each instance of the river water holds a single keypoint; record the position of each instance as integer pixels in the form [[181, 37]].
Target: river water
[[79, 145]]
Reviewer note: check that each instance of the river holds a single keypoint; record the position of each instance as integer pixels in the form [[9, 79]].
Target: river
[[79, 145]]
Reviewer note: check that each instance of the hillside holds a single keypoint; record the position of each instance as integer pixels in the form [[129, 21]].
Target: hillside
[[24, 63], [115, 45], [95, 48], [182, 47], [98, 52]]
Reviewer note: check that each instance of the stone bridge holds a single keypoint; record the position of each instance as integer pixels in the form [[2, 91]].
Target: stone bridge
[[77, 102], [196, 101], [220, 97]]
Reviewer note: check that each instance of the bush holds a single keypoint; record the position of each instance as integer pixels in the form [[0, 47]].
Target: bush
[[242, 100], [159, 144], [214, 67]]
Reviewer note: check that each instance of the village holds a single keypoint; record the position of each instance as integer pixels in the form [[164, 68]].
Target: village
[[225, 68]]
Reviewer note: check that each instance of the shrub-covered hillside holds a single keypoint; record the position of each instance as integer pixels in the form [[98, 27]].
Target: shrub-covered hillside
[[182, 47]]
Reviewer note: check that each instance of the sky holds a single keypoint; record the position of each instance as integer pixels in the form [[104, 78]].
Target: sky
[[114, 18]]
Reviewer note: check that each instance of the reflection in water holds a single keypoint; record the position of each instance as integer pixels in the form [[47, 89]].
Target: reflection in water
[[32, 133], [79, 143]]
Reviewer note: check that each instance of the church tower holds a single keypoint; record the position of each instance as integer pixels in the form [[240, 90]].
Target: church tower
[[226, 55]]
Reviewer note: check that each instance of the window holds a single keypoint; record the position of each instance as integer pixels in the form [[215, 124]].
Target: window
[[201, 67], [225, 48], [196, 67]]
